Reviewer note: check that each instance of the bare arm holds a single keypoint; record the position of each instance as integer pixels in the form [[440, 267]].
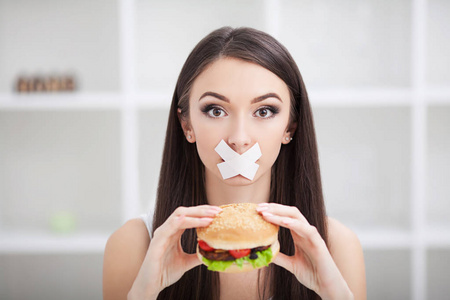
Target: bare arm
[[124, 253], [347, 253]]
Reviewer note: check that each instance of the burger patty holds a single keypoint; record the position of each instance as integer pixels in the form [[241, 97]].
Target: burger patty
[[224, 255]]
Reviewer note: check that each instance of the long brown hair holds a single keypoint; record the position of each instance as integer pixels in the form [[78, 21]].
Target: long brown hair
[[295, 174]]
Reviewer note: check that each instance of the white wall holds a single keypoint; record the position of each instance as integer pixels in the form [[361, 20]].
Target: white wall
[[75, 166]]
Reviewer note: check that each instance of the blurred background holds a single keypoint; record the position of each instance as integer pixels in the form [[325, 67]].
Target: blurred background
[[85, 88]]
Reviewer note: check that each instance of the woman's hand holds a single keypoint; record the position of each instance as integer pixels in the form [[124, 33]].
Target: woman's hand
[[165, 261], [312, 263]]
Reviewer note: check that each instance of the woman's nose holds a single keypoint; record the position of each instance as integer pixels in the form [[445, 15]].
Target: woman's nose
[[239, 138]]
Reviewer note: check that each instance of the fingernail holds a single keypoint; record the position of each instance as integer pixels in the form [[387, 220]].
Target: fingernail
[[216, 208], [213, 212], [206, 219], [262, 208], [263, 204], [267, 214]]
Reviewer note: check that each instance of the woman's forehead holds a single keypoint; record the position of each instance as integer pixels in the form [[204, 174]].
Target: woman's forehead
[[238, 78]]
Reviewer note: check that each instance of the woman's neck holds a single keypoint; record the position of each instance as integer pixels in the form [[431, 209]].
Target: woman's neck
[[236, 190]]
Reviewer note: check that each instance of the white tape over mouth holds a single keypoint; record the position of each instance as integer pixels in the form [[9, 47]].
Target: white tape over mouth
[[238, 164]]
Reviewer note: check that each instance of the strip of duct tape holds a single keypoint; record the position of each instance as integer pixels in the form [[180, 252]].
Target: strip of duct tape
[[238, 164]]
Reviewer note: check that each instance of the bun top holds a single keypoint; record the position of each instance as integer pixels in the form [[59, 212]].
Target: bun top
[[238, 226]]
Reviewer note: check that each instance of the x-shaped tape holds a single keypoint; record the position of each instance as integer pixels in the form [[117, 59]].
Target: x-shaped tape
[[235, 163]]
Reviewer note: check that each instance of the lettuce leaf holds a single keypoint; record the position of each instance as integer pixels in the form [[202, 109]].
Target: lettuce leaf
[[217, 265], [264, 258]]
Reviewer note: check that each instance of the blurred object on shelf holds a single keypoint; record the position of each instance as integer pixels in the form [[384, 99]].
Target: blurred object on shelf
[[63, 222], [39, 84]]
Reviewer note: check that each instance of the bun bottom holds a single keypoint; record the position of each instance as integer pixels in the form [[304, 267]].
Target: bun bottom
[[246, 267]]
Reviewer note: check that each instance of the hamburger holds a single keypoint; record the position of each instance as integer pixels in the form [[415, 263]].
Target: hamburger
[[237, 240]]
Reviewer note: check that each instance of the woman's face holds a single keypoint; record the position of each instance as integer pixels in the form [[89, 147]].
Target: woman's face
[[243, 104]]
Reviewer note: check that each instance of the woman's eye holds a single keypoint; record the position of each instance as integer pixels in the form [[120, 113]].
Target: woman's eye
[[216, 112], [264, 112]]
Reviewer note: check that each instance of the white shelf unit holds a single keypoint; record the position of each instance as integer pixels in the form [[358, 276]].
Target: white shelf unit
[[378, 80]]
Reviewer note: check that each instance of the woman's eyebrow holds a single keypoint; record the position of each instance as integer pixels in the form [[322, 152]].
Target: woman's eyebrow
[[256, 100], [268, 95], [218, 96]]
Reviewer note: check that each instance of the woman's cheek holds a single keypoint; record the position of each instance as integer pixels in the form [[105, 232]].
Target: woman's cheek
[[270, 154], [206, 143]]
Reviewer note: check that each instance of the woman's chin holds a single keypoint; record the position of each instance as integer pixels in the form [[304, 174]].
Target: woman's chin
[[238, 180]]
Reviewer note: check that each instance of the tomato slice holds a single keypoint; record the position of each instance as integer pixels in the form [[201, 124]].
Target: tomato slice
[[205, 246], [239, 253]]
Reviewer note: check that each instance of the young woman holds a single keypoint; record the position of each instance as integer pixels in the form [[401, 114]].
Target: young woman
[[243, 87]]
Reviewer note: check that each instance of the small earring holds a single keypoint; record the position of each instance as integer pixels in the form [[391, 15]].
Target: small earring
[[189, 137], [287, 139]]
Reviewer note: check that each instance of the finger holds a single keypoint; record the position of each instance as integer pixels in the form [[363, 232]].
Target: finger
[[284, 261], [176, 220], [305, 236], [280, 220], [197, 211], [182, 222], [296, 226], [190, 222], [308, 232], [171, 230], [185, 222], [281, 210]]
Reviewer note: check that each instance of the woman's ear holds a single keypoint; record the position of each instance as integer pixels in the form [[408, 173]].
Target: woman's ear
[[289, 133], [188, 132]]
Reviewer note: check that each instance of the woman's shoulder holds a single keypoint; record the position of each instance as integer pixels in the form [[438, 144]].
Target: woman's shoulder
[[347, 253], [134, 230], [124, 253], [339, 234], [131, 239], [341, 239]]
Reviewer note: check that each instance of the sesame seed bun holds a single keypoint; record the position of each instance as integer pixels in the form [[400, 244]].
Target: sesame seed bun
[[238, 226]]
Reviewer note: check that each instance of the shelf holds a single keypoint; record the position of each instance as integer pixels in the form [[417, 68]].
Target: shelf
[[150, 101], [338, 97], [84, 101], [438, 95], [374, 239], [437, 237], [46, 243], [385, 239], [60, 101], [42, 243]]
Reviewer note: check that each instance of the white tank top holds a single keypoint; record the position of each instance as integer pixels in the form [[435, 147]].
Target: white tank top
[[148, 221]]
